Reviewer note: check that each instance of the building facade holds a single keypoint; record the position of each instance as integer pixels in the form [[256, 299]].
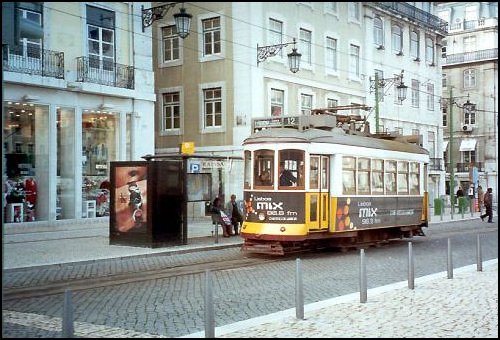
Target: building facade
[[211, 84], [470, 76], [75, 100]]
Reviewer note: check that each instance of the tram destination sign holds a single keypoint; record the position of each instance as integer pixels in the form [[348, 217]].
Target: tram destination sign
[[274, 122]]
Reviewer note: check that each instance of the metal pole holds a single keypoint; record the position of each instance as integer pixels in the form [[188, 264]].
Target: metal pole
[[209, 308], [299, 292], [479, 255], [377, 125], [450, 261], [217, 231], [68, 330], [452, 171], [362, 277], [411, 271]]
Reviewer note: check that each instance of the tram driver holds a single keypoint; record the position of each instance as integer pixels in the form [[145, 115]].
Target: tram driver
[[286, 176]]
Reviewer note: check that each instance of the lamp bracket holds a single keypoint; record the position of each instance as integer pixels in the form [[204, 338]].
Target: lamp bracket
[[149, 15], [263, 52]]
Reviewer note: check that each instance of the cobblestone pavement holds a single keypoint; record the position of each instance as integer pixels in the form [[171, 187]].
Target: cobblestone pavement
[[127, 313], [469, 301]]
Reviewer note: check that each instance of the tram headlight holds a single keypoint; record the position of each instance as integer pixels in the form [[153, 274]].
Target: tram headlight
[[282, 229]]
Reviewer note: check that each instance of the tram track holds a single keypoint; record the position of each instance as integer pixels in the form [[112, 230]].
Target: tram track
[[53, 288]]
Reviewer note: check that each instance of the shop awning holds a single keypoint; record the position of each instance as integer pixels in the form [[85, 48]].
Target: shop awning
[[445, 145], [468, 145]]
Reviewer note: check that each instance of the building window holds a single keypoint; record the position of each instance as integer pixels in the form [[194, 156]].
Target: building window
[[101, 38], [30, 48], [430, 97], [331, 54], [277, 102], [171, 111], [306, 104], [470, 114], [429, 51], [211, 36], [444, 80], [170, 44], [414, 45], [354, 13], [331, 103], [276, 34], [469, 78], [469, 157], [415, 91], [397, 40], [470, 44], [354, 61], [305, 42], [378, 31], [213, 107]]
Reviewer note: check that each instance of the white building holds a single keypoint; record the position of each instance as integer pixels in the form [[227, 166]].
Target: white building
[[74, 101], [470, 73]]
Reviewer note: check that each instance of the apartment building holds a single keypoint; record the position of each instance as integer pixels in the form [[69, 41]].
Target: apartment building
[[233, 67], [75, 100], [470, 93]]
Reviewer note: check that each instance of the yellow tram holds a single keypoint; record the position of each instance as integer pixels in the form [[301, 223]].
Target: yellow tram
[[325, 181]]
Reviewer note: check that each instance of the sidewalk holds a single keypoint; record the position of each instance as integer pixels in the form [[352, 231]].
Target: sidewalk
[[29, 245]]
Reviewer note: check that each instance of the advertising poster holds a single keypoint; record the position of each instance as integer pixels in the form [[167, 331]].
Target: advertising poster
[[274, 207], [371, 212], [130, 199]]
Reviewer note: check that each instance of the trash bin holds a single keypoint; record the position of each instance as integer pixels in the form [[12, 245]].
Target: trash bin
[[438, 206], [463, 202]]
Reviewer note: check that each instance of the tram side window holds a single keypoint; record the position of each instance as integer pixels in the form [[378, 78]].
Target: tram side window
[[314, 173], [248, 169], [377, 176], [263, 168], [414, 179], [402, 177], [349, 175], [390, 177], [291, 169], [363, 176]]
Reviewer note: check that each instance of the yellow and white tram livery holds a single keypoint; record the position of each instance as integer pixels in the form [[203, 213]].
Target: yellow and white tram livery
[[336, 187]]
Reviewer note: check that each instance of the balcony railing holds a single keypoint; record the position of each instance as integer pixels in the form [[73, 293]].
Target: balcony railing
[[465, 167], [469, 57], [33, 60], [413, 13], [97, 71], [436, 164]]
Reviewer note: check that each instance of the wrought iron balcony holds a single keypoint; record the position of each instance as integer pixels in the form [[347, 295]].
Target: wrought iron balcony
[[469, 57], [94, 70], [33, 60], [413, 13], [436, 164]]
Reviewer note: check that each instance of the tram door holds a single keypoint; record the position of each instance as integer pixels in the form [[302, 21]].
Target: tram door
[[317, 197]]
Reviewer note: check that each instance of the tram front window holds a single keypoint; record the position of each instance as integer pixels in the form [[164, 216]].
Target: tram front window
[[291, 169], [263, 168]]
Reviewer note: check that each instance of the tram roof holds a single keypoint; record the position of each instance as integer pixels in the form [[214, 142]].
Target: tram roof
[[334, 136]]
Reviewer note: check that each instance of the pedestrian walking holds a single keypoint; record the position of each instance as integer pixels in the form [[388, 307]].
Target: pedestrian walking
[[480, 197], [488, 202]]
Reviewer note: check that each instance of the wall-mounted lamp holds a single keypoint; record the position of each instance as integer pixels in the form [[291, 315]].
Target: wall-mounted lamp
[[264, 52], [182, 19]]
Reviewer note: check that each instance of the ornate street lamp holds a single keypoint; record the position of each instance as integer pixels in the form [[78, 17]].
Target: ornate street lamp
[[182, 19], [377, 83], [264, 52]]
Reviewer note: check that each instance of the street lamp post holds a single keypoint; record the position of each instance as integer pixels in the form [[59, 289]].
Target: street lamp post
[[182, 19], [377, 83], [263, 52]]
